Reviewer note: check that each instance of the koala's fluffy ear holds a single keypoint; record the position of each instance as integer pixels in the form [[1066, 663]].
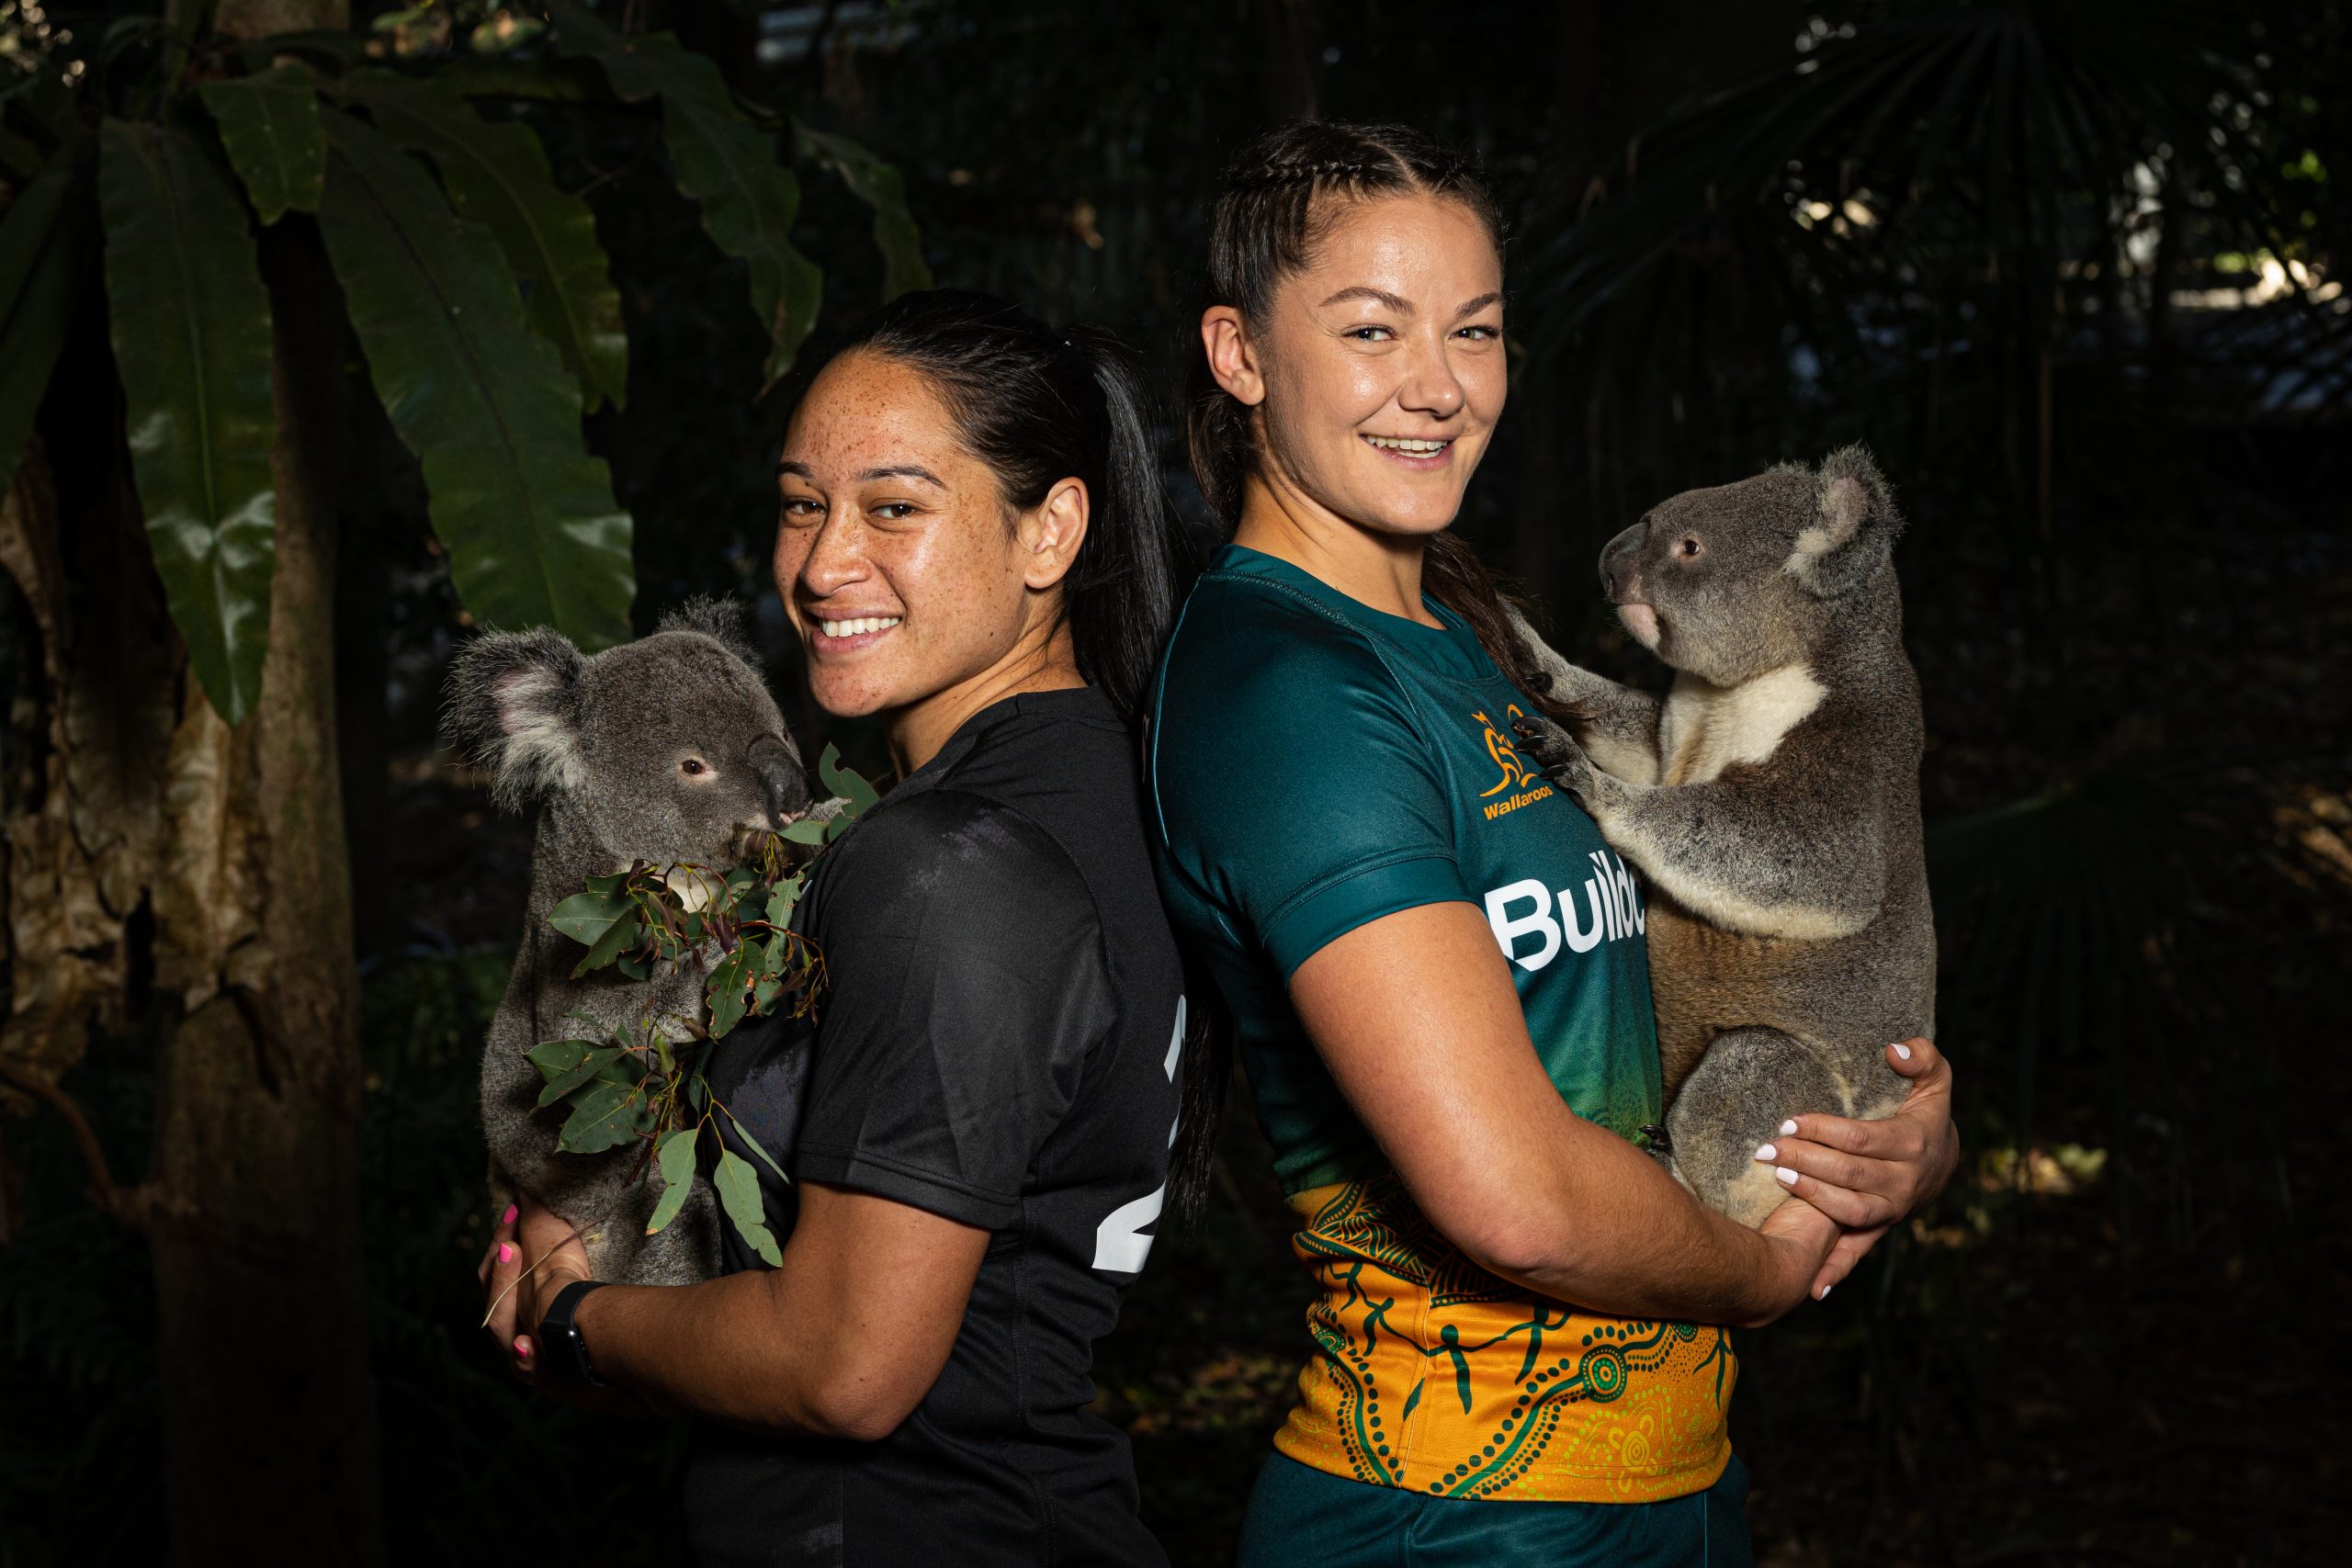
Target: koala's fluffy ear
[[515, 710], [721, 620], [1853, 528]]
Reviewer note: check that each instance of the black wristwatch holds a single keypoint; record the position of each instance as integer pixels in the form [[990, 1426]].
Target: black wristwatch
[[562, 1353]]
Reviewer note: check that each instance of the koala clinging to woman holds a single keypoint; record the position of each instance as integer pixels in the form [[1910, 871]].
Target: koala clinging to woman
[[665, 749], [1770, 800]]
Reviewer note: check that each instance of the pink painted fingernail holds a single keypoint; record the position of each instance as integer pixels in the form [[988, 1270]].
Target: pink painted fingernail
[[1788, 1177], [505, 1252], [1788, 1128], [522, 1344], [1904, 1052], [1768, 1152], [508, 1217]]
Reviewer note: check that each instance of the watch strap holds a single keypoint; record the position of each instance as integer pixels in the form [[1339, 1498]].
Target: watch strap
[[560, 1342]]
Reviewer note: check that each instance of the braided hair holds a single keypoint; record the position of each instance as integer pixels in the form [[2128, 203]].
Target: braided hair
[[1281, 195]]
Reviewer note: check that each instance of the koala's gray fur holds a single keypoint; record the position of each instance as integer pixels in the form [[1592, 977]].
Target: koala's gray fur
[[1771, 799], [600, 745]]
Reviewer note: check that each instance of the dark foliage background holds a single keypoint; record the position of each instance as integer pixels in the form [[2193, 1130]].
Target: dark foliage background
[[2073, 267]]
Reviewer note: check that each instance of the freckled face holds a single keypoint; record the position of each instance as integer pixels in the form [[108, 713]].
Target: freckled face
[[896, 555], [1383, 362]]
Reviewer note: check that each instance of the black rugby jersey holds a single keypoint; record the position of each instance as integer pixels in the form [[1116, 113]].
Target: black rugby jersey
[[999, 1043]]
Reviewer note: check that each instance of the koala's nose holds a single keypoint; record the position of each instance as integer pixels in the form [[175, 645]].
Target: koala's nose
[[778, 767], [1617, 564]]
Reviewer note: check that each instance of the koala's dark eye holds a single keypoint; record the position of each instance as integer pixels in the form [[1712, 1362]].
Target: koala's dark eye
[[691, 767], [1687, 547]]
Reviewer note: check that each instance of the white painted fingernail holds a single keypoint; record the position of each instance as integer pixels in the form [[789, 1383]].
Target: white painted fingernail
[[1788, 1128], [1826, 1290], [1768, 1152], [1788, 1177], [1904, 1052]]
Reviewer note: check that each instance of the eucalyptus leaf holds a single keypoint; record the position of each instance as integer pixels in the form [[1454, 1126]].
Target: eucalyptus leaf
[[497, 175], [269, 126], [739, 1193], [606, 1115], [731, 978], [586, 916], [803, 831], [618, 938], [674, 1155], [556, 1057], [191, 330], [752, 1144], [562, 1085], [534, 536], [847, 782]]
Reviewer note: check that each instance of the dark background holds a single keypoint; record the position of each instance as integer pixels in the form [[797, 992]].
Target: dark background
[[2072, 271]]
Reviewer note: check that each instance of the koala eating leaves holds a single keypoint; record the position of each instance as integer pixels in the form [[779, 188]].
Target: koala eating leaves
[[1772, 800], [666, 749]]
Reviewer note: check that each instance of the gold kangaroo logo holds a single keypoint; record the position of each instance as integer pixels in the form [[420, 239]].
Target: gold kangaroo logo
[[1517, 774]]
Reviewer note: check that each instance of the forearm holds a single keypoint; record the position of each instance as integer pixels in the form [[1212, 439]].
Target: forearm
[[1723, 850], [1605, 1227], [725, 1348]]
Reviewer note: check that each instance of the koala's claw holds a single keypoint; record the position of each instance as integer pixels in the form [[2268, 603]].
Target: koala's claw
[[1558, 755]]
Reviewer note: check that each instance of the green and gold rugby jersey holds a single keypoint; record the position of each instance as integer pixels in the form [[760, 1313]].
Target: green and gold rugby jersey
[[1315, 765]]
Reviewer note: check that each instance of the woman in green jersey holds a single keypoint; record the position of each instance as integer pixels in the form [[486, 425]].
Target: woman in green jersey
[[1516, 1305]]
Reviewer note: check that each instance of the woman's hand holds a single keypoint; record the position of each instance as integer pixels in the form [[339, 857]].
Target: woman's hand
[[1868, 1175], [533, 1255]]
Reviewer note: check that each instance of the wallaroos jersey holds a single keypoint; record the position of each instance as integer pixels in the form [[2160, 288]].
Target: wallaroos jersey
[[1314, 765]]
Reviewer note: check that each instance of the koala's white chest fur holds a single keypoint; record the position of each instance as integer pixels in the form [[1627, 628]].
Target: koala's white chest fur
[[1706, 729]]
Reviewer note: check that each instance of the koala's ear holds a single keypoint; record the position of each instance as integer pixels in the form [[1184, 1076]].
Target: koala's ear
[[721, 620], [1853, 529], [513, 709]]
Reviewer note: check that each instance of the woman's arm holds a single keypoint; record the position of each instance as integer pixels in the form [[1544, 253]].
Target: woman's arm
[[842, 1341], [1417, 1019]]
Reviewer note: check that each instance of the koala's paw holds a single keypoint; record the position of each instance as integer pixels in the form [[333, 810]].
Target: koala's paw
[[1559, 756]]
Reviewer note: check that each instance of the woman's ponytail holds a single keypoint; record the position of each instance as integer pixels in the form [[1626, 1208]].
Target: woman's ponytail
[[1121, 594]]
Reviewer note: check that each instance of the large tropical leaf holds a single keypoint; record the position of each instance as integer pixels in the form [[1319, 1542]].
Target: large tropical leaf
[[269, 124], [191, 330], [485, 403], [877, 184], [724, 163], [40, 241], [498, 175]]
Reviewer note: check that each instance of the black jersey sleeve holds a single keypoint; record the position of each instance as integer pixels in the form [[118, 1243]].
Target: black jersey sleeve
[[967, 987]]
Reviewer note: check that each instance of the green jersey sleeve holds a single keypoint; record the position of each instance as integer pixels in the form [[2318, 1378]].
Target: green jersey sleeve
[[1293, 777]]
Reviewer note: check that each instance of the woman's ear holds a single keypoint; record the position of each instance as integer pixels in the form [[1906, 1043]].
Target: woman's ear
[[1232, 359], [1052, 531]]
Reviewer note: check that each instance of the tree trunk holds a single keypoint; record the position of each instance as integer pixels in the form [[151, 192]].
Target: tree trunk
[[269, 1411]]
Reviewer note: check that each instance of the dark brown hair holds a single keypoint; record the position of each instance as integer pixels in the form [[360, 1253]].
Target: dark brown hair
[[1281, 195]]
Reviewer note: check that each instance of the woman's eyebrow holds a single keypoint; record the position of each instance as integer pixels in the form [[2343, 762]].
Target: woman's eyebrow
[[1480, 303], [896, 472], [1395, 302]]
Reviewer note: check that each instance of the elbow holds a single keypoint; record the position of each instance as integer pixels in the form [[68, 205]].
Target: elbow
[[1519, 1248], [851, 1405]]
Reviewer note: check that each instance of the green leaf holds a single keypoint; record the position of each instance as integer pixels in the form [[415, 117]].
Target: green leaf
[[585, 917], [781, 900], [597, 1064], [621, 936], [731, 978], [527, 515], [739, 1193], [805, 831], [845, 781], [269, 126], [191, 330], [497, 175], [41, 254], [724, 163], [752, 1144], [607, 1113], [675, 1157], [556, 1057], [877, 184]]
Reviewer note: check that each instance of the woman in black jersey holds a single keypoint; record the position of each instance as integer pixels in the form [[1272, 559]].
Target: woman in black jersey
[[972, 548]]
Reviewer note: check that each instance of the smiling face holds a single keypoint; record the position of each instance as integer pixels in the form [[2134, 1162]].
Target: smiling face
[[1377, 371], [910, 579]]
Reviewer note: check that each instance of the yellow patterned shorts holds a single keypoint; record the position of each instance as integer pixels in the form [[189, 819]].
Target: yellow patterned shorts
[[1434, 1375]]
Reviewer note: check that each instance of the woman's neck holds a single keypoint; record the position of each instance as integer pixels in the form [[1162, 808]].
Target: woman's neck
[[1378, 570], [1043, 659]]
